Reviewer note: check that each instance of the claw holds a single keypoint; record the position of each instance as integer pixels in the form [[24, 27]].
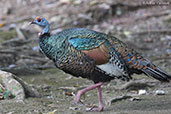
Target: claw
[[79, 93], [95, 108]]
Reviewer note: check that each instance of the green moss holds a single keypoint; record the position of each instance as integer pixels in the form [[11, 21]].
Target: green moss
[[7, 94], [7, 35]]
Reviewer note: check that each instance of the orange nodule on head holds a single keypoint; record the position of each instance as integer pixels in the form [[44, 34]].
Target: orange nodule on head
[[38, 18]]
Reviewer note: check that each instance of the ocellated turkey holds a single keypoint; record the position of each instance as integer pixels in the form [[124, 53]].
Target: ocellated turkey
[[93, 55]]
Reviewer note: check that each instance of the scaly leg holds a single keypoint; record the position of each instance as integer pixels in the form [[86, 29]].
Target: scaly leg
[[80, 92], [98, 86], [101, 105]]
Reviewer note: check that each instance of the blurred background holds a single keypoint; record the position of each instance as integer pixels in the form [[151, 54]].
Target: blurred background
[[144, 25]]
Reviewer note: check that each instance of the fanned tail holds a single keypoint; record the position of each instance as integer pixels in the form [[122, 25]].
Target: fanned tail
[[157, 73]]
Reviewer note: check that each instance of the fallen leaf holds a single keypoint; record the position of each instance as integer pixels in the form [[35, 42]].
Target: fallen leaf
[[2, 24], [68, 93]]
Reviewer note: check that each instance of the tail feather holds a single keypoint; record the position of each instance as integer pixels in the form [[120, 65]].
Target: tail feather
[[157, 73], [138, 64]]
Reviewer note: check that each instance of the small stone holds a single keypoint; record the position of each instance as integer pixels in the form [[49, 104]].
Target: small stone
[[134, 99], [73, 108], [159, 92], [53, 112], [11, 66], [88, 109], [52, 105], [10, 113], [12, 26], [65, 1], [77, 2], [142, 92]]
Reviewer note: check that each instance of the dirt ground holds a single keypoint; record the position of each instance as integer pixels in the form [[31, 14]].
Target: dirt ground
[[143, 25], [57, 89]]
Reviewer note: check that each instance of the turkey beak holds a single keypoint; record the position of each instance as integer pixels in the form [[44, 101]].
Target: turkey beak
[[32, 23]]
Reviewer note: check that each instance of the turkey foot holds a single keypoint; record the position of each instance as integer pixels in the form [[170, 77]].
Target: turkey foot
[[80, 92]]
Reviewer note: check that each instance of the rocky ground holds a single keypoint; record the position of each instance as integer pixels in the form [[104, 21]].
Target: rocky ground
[[143, 25]]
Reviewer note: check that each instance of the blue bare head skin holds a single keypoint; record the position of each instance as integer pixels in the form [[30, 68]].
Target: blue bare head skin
[[43, 23]]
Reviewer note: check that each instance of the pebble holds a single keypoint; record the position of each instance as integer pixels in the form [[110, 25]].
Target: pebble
[[12, 26], [11, 66], [159, 92], [65, 1], [53, 112], [74, 108], [142, 92], [134, 99]]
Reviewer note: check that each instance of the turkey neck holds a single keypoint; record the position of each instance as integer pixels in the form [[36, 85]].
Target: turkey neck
[[52, 46]]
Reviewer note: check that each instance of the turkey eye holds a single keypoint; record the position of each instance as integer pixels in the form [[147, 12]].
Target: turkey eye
[[38, 19]]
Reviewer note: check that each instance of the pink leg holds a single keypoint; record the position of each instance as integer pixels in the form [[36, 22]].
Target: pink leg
[[80, 92], [98, 86], [101, 106]]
